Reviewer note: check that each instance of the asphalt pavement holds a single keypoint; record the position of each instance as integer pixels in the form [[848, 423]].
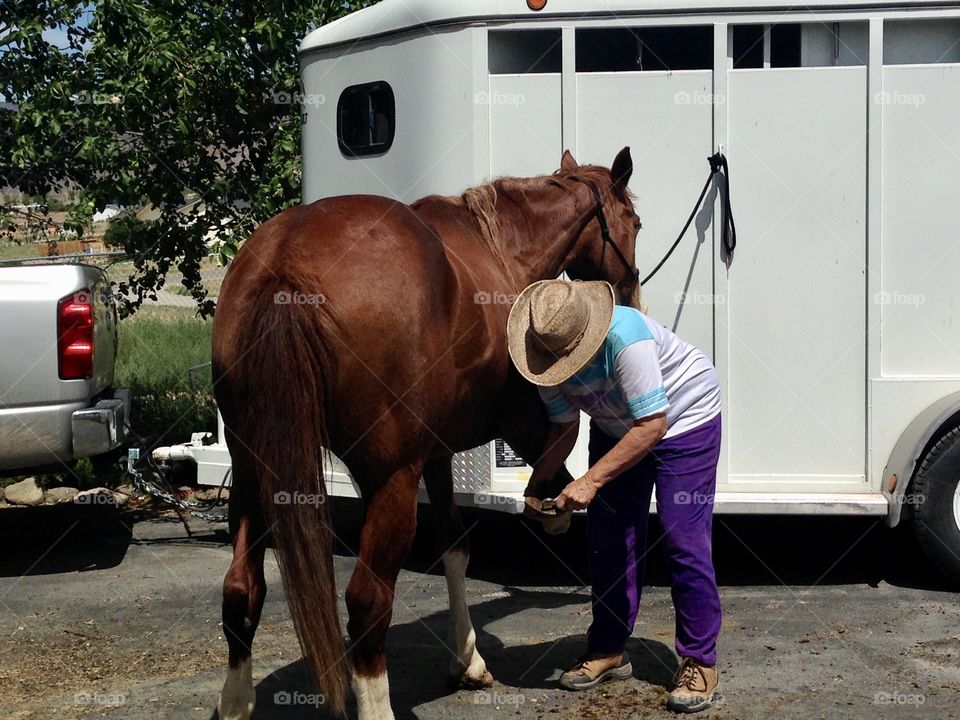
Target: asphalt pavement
[[116, 614]]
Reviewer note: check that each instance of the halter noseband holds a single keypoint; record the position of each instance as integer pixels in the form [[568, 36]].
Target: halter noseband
[[604, 229]]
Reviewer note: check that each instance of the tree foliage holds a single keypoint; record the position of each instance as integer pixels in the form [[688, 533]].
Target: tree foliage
[[182, 104]]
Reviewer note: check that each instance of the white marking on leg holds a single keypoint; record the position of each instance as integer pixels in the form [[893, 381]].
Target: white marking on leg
[[467, 666], [238, 696], [373, 697]]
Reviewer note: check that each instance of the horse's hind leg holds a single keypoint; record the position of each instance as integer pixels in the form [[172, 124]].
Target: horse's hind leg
[[388, 531], [467, 668], [244, 589]]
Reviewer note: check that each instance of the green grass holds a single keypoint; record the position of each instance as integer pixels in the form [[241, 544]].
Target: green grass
[[158, 346], [12, 251]]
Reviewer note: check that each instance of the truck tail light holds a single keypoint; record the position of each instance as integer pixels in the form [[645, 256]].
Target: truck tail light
[[75, 336]]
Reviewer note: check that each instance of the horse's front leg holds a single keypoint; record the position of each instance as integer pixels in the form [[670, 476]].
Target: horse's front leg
[[525, 426], [467, 668], [388, 531]]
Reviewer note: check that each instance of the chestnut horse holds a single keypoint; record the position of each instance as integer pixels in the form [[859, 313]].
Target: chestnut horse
[[377, 330]]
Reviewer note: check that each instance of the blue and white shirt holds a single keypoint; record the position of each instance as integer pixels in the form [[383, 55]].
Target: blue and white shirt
[[642, 369]]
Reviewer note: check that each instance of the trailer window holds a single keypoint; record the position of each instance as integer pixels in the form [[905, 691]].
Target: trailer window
[[644, 49], [791, 45], [747, 46], [366, 119], [921, 42], [785, 46], [518, 52]]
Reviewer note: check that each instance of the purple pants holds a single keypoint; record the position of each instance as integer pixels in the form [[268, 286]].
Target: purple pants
[[684, 470]]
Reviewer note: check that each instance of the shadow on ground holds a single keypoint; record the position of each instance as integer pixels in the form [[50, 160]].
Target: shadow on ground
[[749, 550], [62, 538], [418, 674]]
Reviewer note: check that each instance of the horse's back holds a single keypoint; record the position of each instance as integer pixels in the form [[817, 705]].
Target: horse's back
[[379, 275]]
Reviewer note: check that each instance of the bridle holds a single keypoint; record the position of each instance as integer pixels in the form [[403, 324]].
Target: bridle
[[605, 230]]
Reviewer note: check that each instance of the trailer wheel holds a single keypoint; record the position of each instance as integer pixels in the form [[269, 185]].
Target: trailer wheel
[[935, 497]]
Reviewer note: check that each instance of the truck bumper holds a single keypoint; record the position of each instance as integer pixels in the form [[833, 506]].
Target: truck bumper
[[51, 435], [101, 428]]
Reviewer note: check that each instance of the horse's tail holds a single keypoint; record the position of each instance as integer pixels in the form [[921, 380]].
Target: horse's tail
[[287, 366]]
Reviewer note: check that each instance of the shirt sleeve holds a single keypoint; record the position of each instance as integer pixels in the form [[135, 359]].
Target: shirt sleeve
[[638, 375], [559, 408]]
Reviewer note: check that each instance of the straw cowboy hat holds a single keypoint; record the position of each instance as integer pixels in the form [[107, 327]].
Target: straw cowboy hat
[[556, 327]]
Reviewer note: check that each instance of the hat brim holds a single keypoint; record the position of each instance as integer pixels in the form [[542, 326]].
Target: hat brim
[[540, 366]]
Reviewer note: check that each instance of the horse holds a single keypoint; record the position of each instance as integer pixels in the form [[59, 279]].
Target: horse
[[376, 330]]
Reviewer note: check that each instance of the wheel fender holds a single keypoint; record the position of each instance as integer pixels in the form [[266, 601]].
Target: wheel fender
[[906, 453]]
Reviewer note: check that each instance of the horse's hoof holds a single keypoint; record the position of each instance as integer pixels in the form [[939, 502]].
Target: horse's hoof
[[465, 682]]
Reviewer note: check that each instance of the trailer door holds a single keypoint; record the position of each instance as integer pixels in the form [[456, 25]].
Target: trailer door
[[795, 310]]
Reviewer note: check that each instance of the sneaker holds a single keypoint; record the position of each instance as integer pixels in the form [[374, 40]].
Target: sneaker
[[694, 687], [591, 671]]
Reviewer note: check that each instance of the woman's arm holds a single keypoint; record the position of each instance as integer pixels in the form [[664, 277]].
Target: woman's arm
[[561, 437], [630, 450]]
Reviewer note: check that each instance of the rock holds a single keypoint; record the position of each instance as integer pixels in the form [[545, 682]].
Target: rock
[[3, 497], [100, 496], [24, 492], [58, 495]]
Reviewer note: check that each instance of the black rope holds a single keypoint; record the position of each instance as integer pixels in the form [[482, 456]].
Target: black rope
[[717, 162]]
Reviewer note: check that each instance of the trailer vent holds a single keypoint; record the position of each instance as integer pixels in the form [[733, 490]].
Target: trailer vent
[[366, 119], [644, 49]]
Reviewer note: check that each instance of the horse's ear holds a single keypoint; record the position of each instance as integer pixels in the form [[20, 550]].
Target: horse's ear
[[567, 162], [621, 170]]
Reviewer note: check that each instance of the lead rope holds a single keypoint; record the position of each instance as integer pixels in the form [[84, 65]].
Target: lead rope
[[718, 164]]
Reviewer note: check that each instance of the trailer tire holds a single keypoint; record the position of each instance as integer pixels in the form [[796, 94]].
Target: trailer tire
[[935, 496]]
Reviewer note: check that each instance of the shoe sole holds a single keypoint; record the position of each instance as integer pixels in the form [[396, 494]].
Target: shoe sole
[[617, 673], [699, 707]]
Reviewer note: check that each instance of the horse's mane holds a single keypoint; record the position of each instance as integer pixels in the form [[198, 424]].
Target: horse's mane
[[481, 200]]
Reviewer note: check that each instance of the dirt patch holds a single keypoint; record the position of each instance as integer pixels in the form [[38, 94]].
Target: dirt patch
[[57, 669], [944, 652]]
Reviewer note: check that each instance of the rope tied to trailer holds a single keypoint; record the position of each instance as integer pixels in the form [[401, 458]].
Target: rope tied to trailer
[[718, 166]]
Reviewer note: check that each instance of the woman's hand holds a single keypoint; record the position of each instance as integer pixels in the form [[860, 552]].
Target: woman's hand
[[578, 494]]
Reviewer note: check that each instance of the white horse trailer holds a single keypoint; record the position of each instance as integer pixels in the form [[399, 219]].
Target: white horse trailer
[[835, 326]]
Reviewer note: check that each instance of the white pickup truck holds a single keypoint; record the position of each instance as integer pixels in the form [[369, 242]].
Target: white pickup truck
[[58, 347]]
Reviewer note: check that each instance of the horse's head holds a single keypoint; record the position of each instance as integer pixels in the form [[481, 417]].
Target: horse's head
[[606, 249]]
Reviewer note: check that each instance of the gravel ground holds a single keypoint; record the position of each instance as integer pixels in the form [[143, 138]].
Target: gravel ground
[[117, 615]]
